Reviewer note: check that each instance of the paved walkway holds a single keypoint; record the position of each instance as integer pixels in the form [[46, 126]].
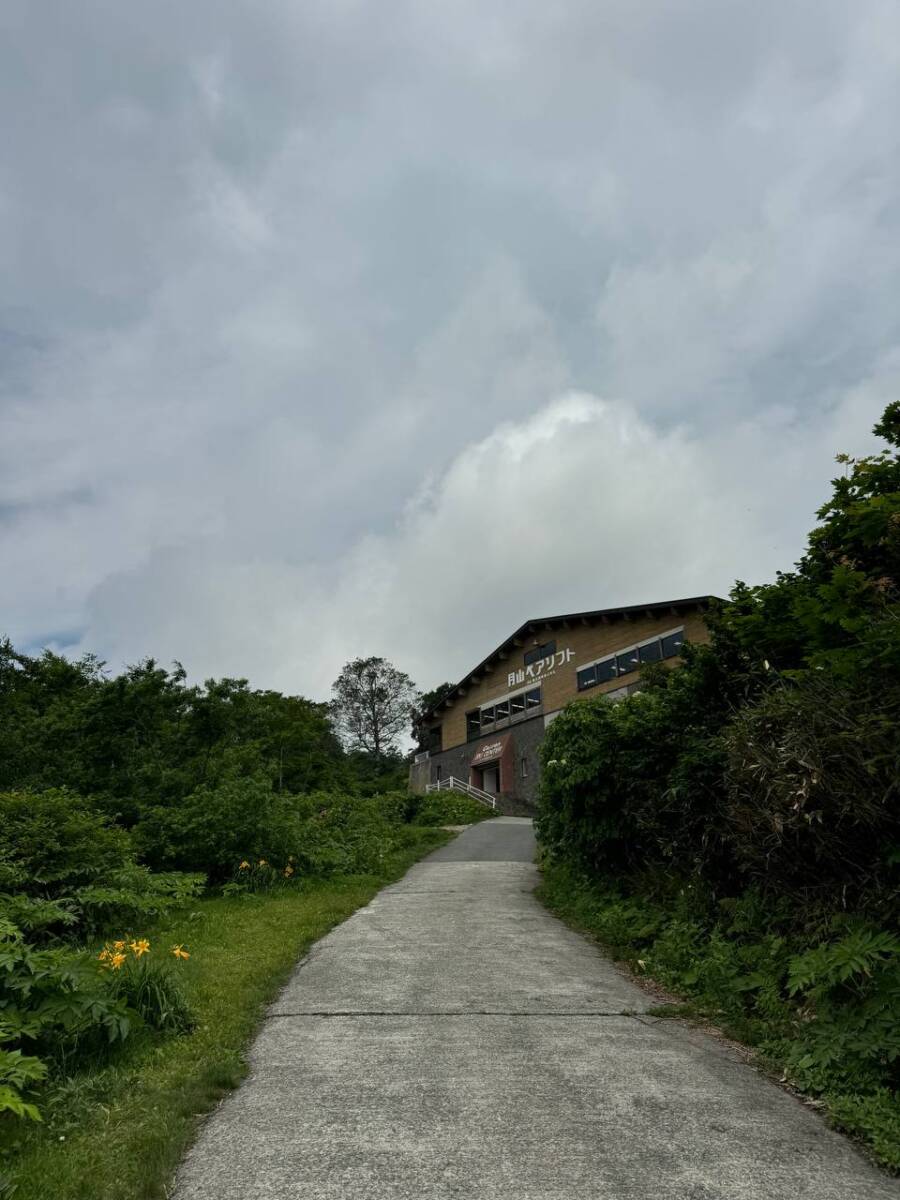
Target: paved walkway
[[453, 1039]]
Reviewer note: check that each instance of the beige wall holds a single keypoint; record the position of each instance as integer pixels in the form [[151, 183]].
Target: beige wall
[[587, 642]]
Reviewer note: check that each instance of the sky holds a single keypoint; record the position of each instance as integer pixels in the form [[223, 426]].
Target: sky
[[340, 328]]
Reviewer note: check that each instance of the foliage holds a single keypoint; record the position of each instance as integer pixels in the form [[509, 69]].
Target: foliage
[[371, 775], [128, 1118], [65, 868], [55, 1003], [372, 704], [638, 782], [148, 983], [18, 1072], [450, 808], [145, 737], [813, 790], [743, 810], [321, 833]]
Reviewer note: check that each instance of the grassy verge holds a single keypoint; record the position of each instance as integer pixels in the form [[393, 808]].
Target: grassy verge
[[730, 965], [118, 1132]]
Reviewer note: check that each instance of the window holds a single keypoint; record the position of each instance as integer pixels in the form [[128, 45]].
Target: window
[[532, 699], [606, 670], [487, 716], [437, 773], [587, 677], [501, 711], [627, 662], [536, 653], [524, 767], [433, 742], [672, 643], [517, 704], [652, 652], [473, 723]]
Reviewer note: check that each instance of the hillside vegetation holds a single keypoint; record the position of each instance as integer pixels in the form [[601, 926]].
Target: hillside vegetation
[[166, 852], [734, 828]]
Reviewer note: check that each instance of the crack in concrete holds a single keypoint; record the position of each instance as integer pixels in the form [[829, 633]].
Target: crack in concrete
[[471, 1012]]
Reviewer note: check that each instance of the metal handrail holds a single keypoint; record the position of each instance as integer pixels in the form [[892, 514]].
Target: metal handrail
[[452, 784]]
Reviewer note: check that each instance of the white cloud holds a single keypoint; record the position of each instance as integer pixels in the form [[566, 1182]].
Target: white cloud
[[581, 505], [306, 312]]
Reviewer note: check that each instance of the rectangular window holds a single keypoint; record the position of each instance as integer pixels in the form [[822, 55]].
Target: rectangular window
[[437, 773], [473, 723], [672, 643], [532, 699], [501, 712], [652, 652], [627, 662], [587, 678], [434, 741], [517, 704], [487, 716], [524, 767], [606, 670], [536, 653]]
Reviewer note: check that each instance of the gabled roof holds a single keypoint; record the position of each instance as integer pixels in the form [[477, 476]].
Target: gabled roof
[[536, 624]]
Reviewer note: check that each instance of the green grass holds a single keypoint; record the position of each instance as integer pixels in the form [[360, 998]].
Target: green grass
[[119, 1131]]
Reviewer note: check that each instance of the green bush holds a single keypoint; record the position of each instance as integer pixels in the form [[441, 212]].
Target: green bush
[[450, 808], [243, 820], [58, 842], [813, 785], [65, 869], [641, 782]]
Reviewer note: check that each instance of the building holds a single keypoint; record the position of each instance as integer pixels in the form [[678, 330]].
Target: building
[[487, 731]]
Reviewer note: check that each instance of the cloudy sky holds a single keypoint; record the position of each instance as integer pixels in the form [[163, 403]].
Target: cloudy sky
[[335, 328]]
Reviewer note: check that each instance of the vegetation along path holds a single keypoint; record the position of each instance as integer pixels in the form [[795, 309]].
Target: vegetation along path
[[454, 1039]]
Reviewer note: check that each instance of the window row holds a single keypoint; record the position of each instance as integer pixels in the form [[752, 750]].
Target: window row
[[626, 661], [536, 653], [488, 718]]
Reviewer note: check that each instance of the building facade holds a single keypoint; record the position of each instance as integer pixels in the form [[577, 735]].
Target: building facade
[[488, 730]]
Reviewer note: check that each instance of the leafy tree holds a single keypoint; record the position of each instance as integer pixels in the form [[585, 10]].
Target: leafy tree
[[372, 704]]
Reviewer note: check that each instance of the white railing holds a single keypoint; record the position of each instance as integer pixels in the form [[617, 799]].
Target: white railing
[[452, 784]]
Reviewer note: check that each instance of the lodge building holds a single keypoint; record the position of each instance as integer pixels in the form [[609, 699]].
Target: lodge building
[[486, 733]]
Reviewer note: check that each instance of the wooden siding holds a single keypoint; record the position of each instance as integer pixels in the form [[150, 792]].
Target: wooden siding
[[587, 642]]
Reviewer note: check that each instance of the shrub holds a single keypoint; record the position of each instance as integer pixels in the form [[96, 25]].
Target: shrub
[[54, 1006], [450, 808], [640, 782], [214, 827], [813, 787], [57, 841]]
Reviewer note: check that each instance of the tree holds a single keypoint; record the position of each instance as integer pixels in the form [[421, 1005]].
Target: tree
[[372, 704], [427, 702]]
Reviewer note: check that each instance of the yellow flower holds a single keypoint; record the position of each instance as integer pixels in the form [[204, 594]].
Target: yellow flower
[[105, 954], [262, 862], [244, 865], [116, 961], [139, 948], [180, 952], [288, 871], [119, 946]]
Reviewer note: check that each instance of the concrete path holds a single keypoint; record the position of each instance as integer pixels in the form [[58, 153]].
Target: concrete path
[[453, 1039]]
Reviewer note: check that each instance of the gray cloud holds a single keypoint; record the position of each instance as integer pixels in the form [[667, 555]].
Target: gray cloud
[[344, 328]]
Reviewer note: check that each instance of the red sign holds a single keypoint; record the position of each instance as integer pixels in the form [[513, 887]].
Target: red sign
[[490, 750]]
